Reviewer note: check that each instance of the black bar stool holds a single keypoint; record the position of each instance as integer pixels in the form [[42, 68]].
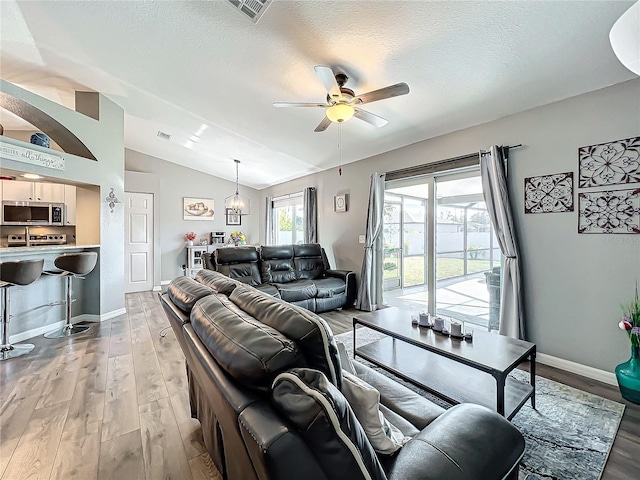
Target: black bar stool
[[22, 273], [72, 265]]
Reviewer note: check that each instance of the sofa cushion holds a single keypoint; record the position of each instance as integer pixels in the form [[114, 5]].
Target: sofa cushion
[[327, 424], [239, 263], [398, 398], [296, 290], [276, 264], [248, 350], [184, 292], [308, 261], [217, 281], [310, 332], [330, 287], [364, 400], [268, 289]]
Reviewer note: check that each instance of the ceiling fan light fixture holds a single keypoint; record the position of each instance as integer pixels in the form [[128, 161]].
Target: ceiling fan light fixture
[[340, 112], [237, 204]]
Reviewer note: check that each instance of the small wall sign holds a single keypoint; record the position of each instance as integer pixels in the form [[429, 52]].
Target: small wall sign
[[32, 157]]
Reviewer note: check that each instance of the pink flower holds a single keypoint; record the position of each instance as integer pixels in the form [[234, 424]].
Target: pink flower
[[625, 324]]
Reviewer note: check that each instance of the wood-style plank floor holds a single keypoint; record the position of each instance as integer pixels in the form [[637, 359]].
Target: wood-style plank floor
[[113, 404]]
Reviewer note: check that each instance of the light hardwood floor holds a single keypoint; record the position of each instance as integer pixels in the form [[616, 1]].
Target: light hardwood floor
[[113, 404]]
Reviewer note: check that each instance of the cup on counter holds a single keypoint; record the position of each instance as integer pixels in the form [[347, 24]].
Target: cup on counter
[[414, 319]]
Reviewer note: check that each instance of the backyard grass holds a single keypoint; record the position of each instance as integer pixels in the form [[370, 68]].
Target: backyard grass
[[445, 268]]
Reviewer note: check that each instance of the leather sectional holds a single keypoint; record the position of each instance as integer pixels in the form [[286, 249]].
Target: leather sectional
[[298, 274], [265, 377]]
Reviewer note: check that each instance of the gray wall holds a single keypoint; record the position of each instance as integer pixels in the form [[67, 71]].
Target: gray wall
[[574, 283], [105, 139], [176, 182]]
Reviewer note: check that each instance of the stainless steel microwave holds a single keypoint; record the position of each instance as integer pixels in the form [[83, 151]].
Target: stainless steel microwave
[[32, 213]]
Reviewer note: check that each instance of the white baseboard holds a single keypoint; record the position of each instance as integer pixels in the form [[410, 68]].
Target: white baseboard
[[577, 368], [112, 314], [165, 282], [85, 317], [156, 289]]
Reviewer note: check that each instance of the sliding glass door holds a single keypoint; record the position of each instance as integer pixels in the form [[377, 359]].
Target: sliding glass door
[[441, 254]]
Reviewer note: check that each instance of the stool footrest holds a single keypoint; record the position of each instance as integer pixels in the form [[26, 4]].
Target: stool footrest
[[67, 331]]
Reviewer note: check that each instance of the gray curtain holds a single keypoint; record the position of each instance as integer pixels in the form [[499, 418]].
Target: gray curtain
[[496, 196], [310, 215], [268, 222], [370, 289]]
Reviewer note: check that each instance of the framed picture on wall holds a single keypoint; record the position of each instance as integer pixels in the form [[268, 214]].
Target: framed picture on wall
[[197, 208], [233, 218]]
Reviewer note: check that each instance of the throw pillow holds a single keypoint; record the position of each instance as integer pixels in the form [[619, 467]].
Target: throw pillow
[[345, 360], [365, 402], [327, 424]]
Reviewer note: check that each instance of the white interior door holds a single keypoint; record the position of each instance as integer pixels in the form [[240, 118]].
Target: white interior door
[[138, 241]]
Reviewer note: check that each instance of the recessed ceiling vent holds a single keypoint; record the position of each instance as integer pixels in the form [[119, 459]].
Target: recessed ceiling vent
[[164, 136], [254, 9]]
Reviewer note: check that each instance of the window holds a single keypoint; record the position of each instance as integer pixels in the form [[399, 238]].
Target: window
[[288, 220]]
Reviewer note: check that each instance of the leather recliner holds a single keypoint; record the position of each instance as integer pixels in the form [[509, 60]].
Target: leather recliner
[[299, 274], [237, 339]]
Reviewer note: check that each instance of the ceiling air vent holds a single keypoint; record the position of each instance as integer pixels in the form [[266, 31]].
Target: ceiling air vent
[[251, 8], [164, 136]]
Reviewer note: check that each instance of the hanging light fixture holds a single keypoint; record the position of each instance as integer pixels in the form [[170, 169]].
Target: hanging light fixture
[[625, 38], [237, 204]]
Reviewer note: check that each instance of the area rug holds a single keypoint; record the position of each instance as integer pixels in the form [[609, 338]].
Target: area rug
[[568, 436]]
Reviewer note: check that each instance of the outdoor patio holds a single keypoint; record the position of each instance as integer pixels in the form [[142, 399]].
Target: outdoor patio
[[464, 298]]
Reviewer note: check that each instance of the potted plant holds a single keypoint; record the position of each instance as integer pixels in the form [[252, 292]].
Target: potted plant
[[237, 238], [628, 373]]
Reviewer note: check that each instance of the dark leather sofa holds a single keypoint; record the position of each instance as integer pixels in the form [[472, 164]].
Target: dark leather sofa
[[236, 340], [298, 274]]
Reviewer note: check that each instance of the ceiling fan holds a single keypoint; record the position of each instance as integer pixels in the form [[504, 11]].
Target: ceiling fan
[[342, 103]]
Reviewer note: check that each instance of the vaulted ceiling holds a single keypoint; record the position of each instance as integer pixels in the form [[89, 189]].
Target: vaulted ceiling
[[205, 74]]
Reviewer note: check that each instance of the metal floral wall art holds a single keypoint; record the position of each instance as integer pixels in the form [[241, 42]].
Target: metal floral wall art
[[549, 193], [610, 163], [611, 211]]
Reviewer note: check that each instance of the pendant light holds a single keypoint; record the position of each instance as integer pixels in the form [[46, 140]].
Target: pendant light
[[237, 204]]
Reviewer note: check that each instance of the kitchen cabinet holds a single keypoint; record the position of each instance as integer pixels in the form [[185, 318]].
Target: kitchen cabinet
[[17, 191], [70, 204]]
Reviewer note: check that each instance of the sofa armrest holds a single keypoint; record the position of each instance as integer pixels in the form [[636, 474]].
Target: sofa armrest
[[276, 451], [349, 278], [467, 441]]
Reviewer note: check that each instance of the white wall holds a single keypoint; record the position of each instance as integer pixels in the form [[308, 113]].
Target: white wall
[[574, 284], [176, 182]]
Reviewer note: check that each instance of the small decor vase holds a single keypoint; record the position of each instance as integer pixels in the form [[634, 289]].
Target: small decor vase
[[628, 375], [189, 243], [41, 139]]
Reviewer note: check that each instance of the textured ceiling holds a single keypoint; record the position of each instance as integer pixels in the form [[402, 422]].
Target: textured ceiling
[[202, 68]]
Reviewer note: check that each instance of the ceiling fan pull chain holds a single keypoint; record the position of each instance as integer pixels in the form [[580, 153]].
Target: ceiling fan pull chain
[[340, 147]]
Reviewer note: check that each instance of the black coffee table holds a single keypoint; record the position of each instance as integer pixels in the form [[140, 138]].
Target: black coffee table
[[452, 369]]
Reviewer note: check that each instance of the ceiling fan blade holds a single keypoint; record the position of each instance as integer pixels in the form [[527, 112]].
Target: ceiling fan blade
[[328, 79], [295, 104], [323, 125], [369, 117], [386, 92]]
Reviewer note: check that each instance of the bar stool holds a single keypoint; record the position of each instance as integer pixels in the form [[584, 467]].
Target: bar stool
[[23, 272], [72, 265]]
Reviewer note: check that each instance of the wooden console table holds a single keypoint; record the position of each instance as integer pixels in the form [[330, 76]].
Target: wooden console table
[[452, 369]]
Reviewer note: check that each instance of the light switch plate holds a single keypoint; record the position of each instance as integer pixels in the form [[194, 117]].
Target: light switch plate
[[361, 238]]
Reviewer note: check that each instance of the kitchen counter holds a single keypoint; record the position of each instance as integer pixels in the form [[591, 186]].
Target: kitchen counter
[[10, 251], [37, 308]]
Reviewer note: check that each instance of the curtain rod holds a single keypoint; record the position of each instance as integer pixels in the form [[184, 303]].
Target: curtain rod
[[508, 147]]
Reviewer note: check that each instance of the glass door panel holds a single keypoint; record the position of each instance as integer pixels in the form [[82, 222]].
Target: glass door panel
[[392, 247], [413, 242], [465, 250]]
